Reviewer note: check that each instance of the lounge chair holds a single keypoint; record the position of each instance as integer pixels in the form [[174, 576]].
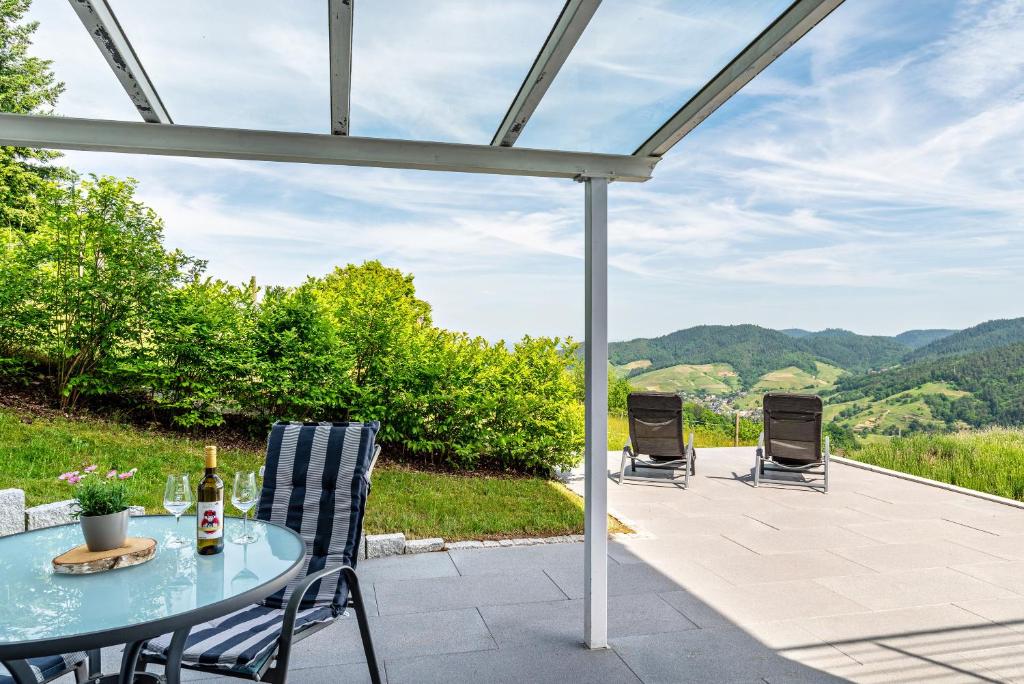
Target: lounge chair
[[656, 436], [48, 668], [791, 441], [302, 459]]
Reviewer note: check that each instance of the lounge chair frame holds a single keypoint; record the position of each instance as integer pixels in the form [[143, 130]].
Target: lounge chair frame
[[765, 463]]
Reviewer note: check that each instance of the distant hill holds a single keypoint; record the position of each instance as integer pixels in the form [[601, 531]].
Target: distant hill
[[989, 335], [852, 351], [798, 333], [751, 350], [994, 378], [919, 338]]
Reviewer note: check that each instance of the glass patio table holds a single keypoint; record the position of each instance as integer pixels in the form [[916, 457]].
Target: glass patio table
[[44, 613]]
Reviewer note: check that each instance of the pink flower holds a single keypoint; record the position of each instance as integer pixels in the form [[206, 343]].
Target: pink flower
[[68, 476], [91, 468], [125, 476], [74, 478], [111, 473]]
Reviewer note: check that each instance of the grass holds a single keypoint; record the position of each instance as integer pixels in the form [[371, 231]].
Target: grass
[[713, 378], [704, 437], [420, 504], [791, 379], [988, 460]]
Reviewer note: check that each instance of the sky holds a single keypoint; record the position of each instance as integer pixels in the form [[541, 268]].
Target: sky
[[870, 179]]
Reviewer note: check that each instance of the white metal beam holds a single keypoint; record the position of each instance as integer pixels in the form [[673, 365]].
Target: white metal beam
[[595, 487], [65, 133], [563, 37], [340, 30], [101, 22], [788, 28]]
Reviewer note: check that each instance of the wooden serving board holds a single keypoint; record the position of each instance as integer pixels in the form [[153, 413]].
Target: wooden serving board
[[81, 561]]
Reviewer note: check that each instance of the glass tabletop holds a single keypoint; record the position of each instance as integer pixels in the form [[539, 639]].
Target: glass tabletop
[[37, 604]]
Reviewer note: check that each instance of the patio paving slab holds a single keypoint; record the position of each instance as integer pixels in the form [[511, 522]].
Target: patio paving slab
[[415, 566], [445, 593], [559, 622], [775, 567], [907, 588], [767, 541], [516, 558], [1006, 574], [934, 554], [514, 666], [1007, 612]]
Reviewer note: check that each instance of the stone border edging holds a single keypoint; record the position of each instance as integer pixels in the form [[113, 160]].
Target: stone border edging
[[994, 498]]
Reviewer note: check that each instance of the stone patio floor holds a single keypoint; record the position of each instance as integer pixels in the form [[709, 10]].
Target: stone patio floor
[[881, 580]]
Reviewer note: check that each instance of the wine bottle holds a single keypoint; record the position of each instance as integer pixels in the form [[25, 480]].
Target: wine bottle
[[210, 508]]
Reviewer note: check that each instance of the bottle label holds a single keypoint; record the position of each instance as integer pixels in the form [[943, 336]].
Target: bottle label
[[211, 519]]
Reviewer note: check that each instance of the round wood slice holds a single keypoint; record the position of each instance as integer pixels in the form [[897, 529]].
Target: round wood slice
[[81, 561]]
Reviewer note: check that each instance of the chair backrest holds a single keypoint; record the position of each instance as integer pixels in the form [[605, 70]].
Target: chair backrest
[[316, 481], [792, 428], [656, 424]]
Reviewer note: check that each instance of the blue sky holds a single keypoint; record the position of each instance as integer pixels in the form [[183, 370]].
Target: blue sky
[[870, 179]]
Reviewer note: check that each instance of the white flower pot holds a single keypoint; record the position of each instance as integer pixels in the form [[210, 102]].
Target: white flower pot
[[105, 532]]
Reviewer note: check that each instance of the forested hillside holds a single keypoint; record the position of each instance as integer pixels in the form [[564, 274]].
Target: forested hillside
[[988, 335], [852, 351], [916, 339], [751, 350], [993, 377]]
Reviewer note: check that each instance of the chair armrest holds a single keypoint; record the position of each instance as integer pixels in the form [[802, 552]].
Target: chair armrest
[[291, 612], [373, 461]]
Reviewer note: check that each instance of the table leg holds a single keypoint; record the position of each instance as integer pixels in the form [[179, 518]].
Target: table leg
[[172, 670], [20, 671], [129, 661]]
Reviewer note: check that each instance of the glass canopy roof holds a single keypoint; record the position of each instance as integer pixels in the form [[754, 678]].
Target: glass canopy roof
[[443, 71], [653, 55]]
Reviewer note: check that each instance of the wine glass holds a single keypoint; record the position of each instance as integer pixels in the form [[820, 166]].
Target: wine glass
[[244, 494], [177, 500]]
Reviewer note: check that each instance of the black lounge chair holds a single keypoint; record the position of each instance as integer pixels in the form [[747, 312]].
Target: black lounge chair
[[791, 441], [255, 642], [656, 436]]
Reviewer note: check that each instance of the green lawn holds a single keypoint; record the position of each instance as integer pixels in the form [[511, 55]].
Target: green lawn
[[988, 460], [420, 504], [713, 378]]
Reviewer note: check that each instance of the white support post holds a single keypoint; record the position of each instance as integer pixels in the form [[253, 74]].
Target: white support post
[[595, 513]]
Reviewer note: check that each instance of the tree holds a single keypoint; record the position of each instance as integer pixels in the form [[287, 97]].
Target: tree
[[99, 273], [27, 86]]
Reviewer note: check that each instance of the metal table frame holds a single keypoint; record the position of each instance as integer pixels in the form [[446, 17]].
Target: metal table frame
[[14, 655]]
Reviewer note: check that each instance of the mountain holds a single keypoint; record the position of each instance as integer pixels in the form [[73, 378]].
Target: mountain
[[852, 351], [980, 388], [988, 335], [751, 350], [798, 333], [919, 338]]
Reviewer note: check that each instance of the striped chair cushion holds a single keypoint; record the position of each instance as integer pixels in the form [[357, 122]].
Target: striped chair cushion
[[47, 667], [316, 483], [241, 642]]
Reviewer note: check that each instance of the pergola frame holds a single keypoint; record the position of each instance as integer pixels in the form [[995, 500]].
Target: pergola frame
[[161, 137]]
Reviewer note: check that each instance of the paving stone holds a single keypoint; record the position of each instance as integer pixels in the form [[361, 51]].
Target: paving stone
[[48, 515], [767, 541], [705, 546], [622, 579], [1006, 574], [903, 531], [380, 545], [406, 567], [1008, 612], [514, 666], [515, 558], [921, 587], [559, 622], [425, 595], [801, 565], [1007, 547], [803, 519], [12, 511], [895, 557], [424, 545], [716, 654]]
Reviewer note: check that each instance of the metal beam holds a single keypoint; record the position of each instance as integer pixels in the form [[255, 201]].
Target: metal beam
[[65, 133], [595, 463], [102, 25], [563, 37], [788, 28], [340, 31]]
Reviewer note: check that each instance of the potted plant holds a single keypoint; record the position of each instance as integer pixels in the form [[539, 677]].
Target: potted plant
[[101, 504]]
